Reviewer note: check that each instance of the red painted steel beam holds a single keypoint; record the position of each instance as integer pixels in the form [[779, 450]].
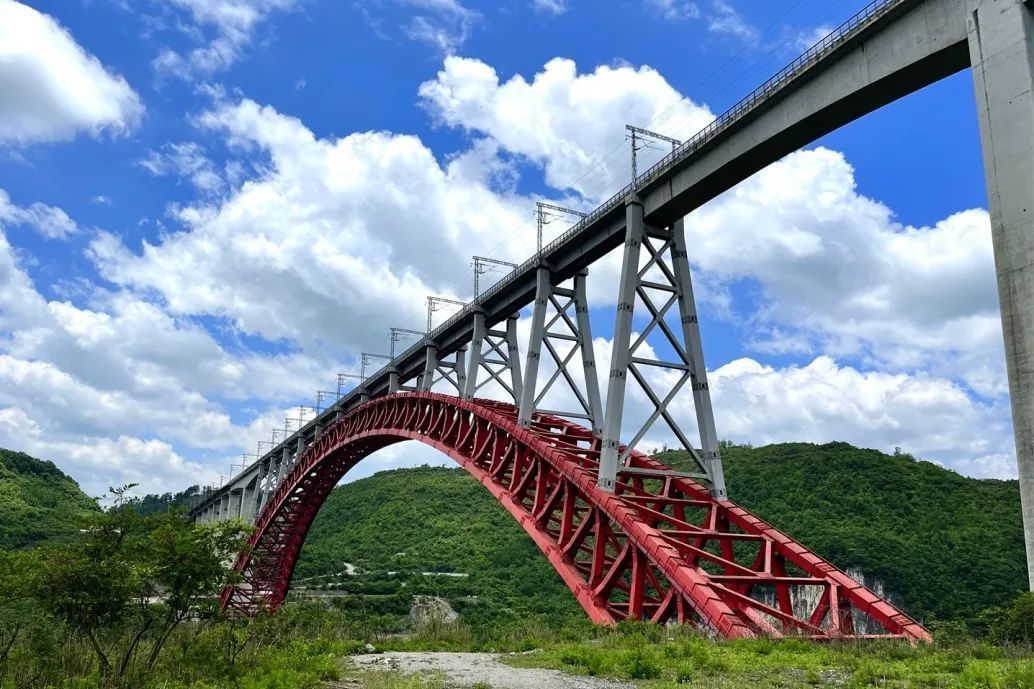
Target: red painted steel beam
[[660, 549]]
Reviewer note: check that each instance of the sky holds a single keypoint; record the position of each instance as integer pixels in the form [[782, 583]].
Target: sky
[[208, 208]]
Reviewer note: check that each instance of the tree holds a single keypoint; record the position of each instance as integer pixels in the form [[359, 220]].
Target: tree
[[190, 567], [16, 608], [130, 580], [1015, 623]]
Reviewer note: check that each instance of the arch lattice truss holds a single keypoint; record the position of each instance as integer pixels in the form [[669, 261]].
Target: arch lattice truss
[[659, 548]]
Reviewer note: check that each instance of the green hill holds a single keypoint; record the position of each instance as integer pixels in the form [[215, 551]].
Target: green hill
[[944, 545], [432, 531], [37, 501]]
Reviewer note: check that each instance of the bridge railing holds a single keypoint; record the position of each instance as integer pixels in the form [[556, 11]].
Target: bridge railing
[[843, 33]]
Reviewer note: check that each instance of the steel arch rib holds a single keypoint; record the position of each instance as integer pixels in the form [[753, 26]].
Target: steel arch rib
[[658, 549]]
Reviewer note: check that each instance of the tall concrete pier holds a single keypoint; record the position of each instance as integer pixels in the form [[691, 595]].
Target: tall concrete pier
[[1002, 57]]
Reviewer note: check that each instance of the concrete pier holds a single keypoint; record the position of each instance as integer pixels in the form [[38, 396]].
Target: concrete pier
[[1002, 57]]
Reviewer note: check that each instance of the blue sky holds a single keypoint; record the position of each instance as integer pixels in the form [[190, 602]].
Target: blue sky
[[209, 208]]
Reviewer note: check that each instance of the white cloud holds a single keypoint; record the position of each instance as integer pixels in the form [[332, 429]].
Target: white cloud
[[807, 38], [726, 19], [720, 17], [838, 272], [336, 232], [554, 120], [675, 9], [823, 401], [112, 386], [98, 463], [51, 88], [443, 24], [52, 223], [101, 200], [187, 160], [230, 24], [549, 6]]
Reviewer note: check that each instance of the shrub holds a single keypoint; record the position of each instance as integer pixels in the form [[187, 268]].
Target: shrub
[[1016, 625]]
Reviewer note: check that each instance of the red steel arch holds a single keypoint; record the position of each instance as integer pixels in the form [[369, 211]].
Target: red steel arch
[[660, 548]]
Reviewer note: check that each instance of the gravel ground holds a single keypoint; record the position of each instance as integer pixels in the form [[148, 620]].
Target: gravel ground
[[467, 669]]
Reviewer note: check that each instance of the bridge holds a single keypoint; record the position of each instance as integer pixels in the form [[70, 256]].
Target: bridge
[[631, 537]]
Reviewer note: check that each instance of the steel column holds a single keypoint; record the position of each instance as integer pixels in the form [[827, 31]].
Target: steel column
[[592, 382], [501, 344], [543, 289], [709, 451], [430, 366], [619, 358], [474, 362], [513, 357]]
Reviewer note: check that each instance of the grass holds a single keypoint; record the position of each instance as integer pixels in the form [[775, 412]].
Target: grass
[[669, 657]]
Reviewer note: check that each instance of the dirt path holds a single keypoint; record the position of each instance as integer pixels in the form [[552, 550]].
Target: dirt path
[[467, 669]]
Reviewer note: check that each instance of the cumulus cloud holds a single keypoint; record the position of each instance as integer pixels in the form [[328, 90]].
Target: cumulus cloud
[[839, 274], [228, 26], [51, 88], [824, 401], [100, 463], [554, 119], [337, 232], [117, 392]]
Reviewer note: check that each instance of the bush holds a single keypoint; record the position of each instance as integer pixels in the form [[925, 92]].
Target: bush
[[1016, 624], [642, 665], [980, 674]]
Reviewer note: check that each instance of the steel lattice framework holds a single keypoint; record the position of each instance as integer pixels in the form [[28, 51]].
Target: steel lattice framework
[[658, 548]]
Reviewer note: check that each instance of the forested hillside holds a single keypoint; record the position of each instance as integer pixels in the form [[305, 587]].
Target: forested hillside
[[37, 501], [408, 530], [945, 546]]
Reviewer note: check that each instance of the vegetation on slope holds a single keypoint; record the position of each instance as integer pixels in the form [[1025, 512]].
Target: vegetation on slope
[[38, 501], [945, 546], [408, 530]]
